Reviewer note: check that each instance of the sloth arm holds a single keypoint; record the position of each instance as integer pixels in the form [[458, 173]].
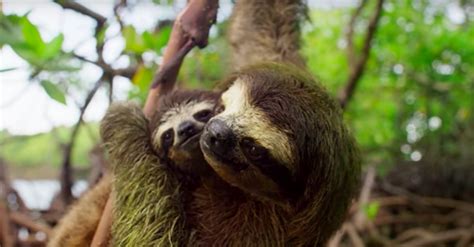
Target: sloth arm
[[148, 208]]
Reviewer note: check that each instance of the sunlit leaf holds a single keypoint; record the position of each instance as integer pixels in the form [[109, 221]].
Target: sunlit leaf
[[133, 41], [53, 48], [143, 77], [32, 35], [53, 91], [163, 37], [371, 210]]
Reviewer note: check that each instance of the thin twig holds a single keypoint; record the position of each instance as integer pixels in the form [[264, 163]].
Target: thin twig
[[72, 5], [26, 221], [66, 171], [102, 234], [350, 33], [357, 69], [439, 237], [190, 29], [360, 218]]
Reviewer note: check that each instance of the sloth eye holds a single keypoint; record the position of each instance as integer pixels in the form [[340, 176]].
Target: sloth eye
[[203, 116], [252, 150], [167, 139]]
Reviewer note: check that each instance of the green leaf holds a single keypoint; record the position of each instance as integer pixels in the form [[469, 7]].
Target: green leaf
[[31, 35], [10, 32], [133, 41], [143, 77], [53, 48], [53, 91], [101, 35], [163, 37], [371, 210]]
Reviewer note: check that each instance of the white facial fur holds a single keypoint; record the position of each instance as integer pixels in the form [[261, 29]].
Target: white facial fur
[[179, 114], [252, 122]]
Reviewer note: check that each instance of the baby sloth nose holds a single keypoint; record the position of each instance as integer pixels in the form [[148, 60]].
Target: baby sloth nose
[[187, 129], [219, 137]]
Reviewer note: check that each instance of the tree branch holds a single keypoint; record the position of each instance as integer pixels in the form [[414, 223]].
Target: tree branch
[[190, 29], [358, 66], [350, 32], [66, 4], [66, 171], [125, 72]]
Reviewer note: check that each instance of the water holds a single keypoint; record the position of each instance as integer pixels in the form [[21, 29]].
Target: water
[[38, 194]]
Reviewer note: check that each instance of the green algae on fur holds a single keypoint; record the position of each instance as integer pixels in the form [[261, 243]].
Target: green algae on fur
[[148, 208]]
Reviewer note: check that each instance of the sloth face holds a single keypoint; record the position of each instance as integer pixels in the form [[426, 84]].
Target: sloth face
[[178, 127], [247, 148], [278, 135]]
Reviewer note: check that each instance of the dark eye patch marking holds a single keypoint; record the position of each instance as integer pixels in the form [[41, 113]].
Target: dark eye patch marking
[[167, 139], [268, 165], [203, 116]]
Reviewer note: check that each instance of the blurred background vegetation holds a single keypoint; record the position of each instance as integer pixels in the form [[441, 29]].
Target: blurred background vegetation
[[414, 101]]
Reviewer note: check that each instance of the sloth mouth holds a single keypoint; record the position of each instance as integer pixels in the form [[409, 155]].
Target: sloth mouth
[[190, 140], [227, 160]]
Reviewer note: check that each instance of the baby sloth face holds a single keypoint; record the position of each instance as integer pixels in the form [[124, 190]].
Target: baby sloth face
[[177, 128]]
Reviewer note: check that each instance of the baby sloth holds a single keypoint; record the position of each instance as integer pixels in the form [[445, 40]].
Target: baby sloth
[[156, 166], [177, 126], [172, 145]]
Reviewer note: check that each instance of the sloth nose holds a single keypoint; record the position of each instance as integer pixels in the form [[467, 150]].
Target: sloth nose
[[219, 137], [187, 129]]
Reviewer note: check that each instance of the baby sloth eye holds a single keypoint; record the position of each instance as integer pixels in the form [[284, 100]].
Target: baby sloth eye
[[167, 138], [252, 150], [203, 116]]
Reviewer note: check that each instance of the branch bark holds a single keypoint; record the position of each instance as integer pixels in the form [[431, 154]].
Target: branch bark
[[66, 179], [5, 231], [102, 235], [189, 30], [77, 7], [357, 64]]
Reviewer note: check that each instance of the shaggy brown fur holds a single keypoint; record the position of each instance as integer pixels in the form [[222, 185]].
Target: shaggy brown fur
[[266, 30], [78, 226], [148, 205], [326, 164]]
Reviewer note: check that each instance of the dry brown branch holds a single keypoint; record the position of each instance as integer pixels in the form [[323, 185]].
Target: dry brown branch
[[335, 240], [357, 67], [77, 7], [356, 240], [364, 197], [190, 29], [26, 221], [66, 168], [413, 233], [432, 201], [439, 237], [107, 69], [5, 232], [350, 32], [102, 235]]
